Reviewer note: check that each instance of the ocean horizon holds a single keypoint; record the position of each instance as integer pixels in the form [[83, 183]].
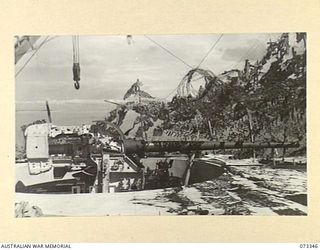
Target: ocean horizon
[[69, 112]]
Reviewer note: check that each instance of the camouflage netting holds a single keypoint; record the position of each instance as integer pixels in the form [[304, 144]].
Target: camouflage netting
[[266, 101]]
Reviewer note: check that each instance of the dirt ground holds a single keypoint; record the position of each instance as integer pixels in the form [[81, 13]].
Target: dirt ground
[[242, 190]]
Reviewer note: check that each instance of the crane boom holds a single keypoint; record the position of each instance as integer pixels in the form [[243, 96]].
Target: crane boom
[[23, 45]]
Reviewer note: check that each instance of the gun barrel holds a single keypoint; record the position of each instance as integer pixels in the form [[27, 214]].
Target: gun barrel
[[136, 146]]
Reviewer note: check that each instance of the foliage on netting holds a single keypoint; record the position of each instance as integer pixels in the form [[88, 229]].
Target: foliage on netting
[[135, 90], [151, 109], [274, 101], [264, 102], [117, 115]]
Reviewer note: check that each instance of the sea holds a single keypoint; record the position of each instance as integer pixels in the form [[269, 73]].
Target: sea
[[71, 112]]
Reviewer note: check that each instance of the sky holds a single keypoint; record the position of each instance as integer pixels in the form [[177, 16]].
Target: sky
[[109, 65]]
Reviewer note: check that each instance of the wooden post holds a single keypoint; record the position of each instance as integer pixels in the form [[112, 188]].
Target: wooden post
[[143, 178], [283, 154], [210, 129], [100, 167], [187, 176], [106, 168], [272, 155], [250, 131], [284, 140]]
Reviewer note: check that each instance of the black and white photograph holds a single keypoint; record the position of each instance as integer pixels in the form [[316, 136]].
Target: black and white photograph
[[160, 125]]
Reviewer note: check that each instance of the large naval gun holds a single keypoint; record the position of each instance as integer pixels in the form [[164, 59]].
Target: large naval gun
[[98, 158]]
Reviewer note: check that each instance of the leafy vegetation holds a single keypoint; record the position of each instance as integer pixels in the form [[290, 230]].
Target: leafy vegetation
[[266, 101]]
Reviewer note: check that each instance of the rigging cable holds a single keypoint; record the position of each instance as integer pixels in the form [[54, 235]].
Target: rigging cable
[[51, 38], [168, 51], [209, 51], [172, 54], [176, 88], [206, 55]]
